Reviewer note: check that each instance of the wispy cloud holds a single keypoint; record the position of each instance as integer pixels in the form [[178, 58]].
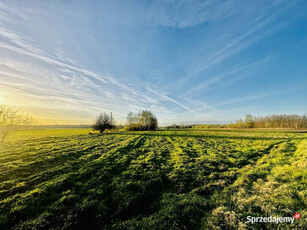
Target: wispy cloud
[[233, 74], [118, 56], [163, 96], [183, 13], [61, 84], [236, 44]]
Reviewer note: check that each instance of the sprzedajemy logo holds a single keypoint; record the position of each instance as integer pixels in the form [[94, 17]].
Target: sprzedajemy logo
[[273, 219], [297, 215]]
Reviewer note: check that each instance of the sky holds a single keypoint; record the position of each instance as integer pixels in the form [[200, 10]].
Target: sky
[[64, 62]]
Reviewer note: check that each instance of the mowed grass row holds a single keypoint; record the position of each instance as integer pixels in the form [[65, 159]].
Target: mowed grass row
[[64, 179]]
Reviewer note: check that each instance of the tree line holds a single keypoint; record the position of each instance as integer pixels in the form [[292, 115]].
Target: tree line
[[284, 121], [12, 118], [272, 121], [144, 120]]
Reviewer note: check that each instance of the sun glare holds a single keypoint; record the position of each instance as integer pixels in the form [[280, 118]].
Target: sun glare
[[2, 101]]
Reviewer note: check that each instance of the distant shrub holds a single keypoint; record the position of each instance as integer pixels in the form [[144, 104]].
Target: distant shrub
[[132, 127], [104, 122], [175, 126]]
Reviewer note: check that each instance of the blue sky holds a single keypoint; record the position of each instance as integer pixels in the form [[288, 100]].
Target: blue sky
[[186, 61]]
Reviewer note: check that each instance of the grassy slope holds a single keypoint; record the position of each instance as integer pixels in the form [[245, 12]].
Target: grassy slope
[[208, 179]]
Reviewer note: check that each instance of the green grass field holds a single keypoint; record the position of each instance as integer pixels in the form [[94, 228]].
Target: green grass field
[[174, 179]]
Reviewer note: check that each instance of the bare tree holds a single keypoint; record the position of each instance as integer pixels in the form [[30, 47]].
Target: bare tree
[[104, 121], [11, 118]]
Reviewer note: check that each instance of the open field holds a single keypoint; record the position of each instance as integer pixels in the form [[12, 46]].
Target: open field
[[166, 179]]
